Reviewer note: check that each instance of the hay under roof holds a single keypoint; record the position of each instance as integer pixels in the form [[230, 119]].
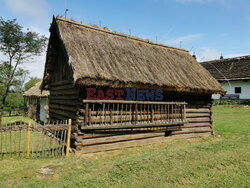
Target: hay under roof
[[35, 91], [237, 68], [105, 58]]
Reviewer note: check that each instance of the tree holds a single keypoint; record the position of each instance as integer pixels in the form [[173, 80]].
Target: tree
[[19, 47], [32, 82]]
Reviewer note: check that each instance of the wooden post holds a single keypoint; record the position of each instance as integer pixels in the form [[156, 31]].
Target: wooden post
[[68, 138], [86, 114], [28, 140]]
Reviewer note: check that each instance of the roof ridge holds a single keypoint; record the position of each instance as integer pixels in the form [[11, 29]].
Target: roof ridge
[[118, 34], [227, 59]]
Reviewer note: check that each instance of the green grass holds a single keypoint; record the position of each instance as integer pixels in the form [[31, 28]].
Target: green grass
[[220, 161], [13, 119]]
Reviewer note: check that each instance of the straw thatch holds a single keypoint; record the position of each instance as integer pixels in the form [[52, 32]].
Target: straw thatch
[[35, 91], [102, 57], [237, 68]]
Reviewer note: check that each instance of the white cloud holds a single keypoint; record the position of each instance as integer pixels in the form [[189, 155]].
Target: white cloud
[[37, 9], [209, 54], [185, 39]]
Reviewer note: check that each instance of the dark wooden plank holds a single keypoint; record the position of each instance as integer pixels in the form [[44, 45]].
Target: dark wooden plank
[[119, 145], [119, 138], [133, 126], [63, 82]]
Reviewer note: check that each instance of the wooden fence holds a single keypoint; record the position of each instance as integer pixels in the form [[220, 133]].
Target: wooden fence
[[126, 114], [36, 141]]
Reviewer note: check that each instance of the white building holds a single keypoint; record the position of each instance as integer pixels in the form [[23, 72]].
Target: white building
[[233, 74]]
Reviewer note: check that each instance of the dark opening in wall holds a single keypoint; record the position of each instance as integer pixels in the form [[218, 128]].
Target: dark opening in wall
[[237, 90], [168, 133]]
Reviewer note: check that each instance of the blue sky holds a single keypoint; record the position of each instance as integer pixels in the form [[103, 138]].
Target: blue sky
[[206, 27]]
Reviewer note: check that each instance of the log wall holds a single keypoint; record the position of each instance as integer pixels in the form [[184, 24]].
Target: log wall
[[63, 101], [199, 123]]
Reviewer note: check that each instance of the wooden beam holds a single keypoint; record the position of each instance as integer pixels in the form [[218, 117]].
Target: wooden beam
[[130, 102], [63, 82], [119, 145], [133, 126]]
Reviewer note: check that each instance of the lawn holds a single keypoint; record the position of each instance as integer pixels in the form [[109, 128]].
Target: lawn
[[220, 161]]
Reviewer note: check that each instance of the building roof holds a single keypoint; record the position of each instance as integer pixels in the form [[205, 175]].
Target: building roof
[[35, 91], [237, 68], [102, 57]]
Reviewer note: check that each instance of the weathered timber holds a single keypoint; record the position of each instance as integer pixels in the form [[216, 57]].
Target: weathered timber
[[197, 125], [63, 82], [191, 115], [192, 120], [61, 107], [118, 145], [63, 113], [65, 92], [62, 87], [139, 125], [198, 110], [120, 138], [131, 102], [127, 118], [63, 102], [192, 130], [67, 97]]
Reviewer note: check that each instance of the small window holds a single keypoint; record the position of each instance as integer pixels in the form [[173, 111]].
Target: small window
[[237, 90]]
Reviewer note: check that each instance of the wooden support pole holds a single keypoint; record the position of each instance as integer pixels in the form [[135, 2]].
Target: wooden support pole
[[28, 140], [86, 114], [68, 138]]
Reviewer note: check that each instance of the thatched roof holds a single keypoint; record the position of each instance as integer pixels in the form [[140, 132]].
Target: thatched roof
[[237, 68], [35, 91], [102, 57]]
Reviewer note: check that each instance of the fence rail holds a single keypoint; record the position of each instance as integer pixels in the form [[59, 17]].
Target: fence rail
[[106, 114], [26, 140]]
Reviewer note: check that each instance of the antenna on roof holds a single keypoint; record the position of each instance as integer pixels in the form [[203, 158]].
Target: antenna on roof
[[191, 49], [221, 56], [194, 56], [156, 39], [180, 43], [100, 23], [66, 12]]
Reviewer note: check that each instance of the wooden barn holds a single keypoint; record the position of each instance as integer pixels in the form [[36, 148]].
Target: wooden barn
[[37, 103], [123, 91]]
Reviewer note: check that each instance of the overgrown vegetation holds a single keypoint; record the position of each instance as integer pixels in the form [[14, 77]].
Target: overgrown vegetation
[[220, 161], [18, 47]]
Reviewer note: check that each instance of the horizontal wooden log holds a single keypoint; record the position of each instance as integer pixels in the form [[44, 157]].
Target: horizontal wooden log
[[63, 113], [61, 107], [111, 139], [126, 118], [64, 102], [192, 130], [67, 97], [192, 115], [119, 145], [65, 92], [193, 120], [63, 82], [97, 134], [62, 87], [100, 112], [131, 102], [198, 110], [141, 125], [197, 125]]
